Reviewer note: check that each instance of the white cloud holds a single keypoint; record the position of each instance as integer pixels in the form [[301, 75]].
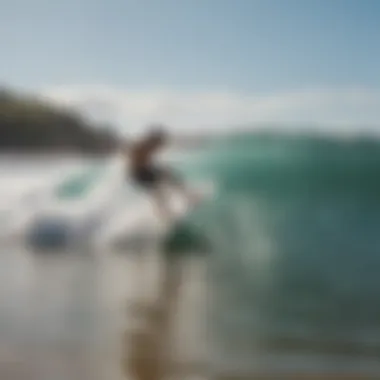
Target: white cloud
[[341, 109]]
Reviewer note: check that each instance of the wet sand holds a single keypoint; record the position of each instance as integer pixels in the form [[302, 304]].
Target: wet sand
[[102, 315], [165, 336], [62, 314], [95, 315]]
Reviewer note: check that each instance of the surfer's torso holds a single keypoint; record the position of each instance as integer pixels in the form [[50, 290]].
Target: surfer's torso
[[143, 169], [141, 155]]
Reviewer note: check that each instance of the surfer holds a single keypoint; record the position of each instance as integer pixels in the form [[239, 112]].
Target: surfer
[[148, 175]]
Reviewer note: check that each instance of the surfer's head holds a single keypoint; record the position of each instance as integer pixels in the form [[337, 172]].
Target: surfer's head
[[157, 136]]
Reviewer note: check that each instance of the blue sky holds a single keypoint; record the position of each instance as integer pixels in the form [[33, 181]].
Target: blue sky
[[228, 56]]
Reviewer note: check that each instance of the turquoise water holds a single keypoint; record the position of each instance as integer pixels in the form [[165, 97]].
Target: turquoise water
[[79, 184], [295, 256]]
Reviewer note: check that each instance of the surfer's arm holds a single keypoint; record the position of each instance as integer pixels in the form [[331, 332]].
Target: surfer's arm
[[179, 183]]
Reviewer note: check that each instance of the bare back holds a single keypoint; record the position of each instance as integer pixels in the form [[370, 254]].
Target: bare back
[[141, 155]]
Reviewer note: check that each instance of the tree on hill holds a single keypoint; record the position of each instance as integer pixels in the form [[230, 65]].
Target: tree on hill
[[28, 124]]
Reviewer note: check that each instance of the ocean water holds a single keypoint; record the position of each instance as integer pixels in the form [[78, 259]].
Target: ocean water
[[293, 253]]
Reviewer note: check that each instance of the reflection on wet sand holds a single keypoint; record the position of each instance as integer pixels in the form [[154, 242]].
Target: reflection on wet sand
[[150, 342], [148, 352]]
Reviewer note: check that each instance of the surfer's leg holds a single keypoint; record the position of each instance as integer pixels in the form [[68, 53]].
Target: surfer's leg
[[161, 204]]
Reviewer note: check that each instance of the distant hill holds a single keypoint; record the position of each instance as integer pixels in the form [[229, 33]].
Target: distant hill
[[29, 125]]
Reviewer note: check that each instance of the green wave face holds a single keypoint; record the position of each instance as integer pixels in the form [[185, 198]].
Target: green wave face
[[293, 237]]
